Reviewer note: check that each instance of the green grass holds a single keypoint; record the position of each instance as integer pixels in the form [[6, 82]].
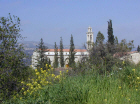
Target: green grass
[[90, 89]]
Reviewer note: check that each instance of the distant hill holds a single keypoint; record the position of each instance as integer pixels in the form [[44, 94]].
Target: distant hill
[[29, 45]]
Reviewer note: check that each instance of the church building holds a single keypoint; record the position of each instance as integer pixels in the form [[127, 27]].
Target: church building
[[80, 53]]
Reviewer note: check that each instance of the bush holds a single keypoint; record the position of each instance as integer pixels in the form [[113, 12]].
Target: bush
[[13, 69]]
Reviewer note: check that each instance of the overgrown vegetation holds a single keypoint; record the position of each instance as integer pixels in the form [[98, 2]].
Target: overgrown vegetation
[[120, 86], [42, 60], [100, 78], [12, 66]]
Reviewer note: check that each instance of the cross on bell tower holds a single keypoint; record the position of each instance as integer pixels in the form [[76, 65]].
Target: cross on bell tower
[[89, 38]]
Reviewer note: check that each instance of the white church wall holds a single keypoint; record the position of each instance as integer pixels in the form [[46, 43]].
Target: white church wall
[[78, 56], [134, 57]]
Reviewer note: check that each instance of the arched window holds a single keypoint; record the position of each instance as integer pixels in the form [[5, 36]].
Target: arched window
[[90, 37]]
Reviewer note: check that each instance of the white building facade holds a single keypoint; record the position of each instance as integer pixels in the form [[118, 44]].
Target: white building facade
[[80, 53], [133, 57]]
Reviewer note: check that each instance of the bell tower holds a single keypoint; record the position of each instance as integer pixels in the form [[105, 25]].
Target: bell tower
[[89, 38]]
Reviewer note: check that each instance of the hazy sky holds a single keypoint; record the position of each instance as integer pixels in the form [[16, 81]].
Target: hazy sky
[[51, 19]]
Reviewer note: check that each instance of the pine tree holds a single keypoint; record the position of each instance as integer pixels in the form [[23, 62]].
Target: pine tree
[[71, 52], [100, 38], [61, 53], [110, 33], [42, 58], [56, 56]]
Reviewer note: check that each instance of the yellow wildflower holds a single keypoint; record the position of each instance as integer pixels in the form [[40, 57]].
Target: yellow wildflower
[[35, 83], [25, 92], [120, 87], [35, 70], [28, 84], [22, 82], [67, 71], [41, 68], [138, 77], [48, 69], [105, 100], [23, 89], [42, 71], [20, 98], [53, 75], [46, 65], [32, 87], [37, 73], [133, 69], [49, 65], [123, 62], [39, 87], [136, 89]]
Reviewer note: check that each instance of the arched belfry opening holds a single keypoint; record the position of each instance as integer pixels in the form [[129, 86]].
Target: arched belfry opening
[[89, 38]]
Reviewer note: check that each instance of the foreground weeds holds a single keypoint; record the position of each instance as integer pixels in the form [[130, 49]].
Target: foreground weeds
[[122, 87]]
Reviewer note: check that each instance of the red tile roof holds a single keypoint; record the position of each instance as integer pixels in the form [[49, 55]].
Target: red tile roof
[[67, 50], [121, 54]]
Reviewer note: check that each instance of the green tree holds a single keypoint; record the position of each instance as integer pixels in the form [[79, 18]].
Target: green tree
[[42, 58], [110, 33], [126, 46], [12, 64], [138, 48], [61, 53], [71, 52], [100, 38], [56, 56], [116, 40]]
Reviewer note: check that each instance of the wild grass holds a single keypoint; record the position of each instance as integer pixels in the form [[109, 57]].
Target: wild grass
[[122, 87]]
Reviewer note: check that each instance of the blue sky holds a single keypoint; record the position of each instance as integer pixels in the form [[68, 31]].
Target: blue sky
[[52, 19]]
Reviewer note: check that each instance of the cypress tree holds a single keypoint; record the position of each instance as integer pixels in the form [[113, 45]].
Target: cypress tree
[[56, 56], [61, 53], [110, 33], [71, 52], [138, 48]]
